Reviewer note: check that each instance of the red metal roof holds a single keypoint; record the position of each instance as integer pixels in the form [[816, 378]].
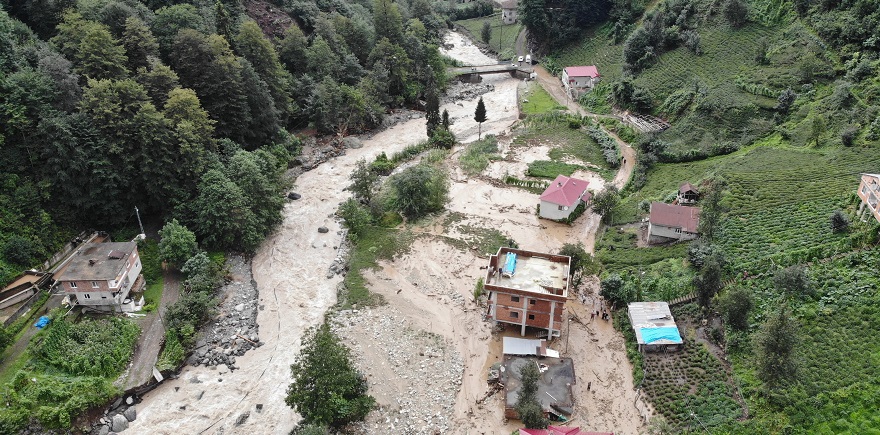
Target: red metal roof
[[560, 430], [565, 191], [678, 216], [582, 71]]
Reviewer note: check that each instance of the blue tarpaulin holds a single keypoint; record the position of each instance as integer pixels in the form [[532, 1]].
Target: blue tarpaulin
[[42, 322], [670, 333], [509, 264]]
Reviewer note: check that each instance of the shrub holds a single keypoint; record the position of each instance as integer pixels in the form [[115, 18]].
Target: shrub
[[355, 217], [419, 190], [839, 222], [88, 348], [443, 138], [793, 281], [735, 305], [848, 135], [478, 289], [736, 12]]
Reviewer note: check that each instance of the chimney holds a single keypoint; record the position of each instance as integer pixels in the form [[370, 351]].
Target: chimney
[[560, 184], [92, 262]]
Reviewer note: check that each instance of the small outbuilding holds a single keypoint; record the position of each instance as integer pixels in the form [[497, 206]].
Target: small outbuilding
[[654, 326], [687, 194], [669, 223], [562, 197], [525, 346]]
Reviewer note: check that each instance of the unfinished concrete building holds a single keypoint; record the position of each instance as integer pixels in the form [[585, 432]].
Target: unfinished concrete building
[[527, 288]]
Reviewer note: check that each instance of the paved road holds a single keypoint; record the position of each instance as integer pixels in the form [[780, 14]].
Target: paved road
[[153, 331]]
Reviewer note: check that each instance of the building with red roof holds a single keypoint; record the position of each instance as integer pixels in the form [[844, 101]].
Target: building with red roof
[[562, 197], [560, 430], [580, 78], [670, 222]]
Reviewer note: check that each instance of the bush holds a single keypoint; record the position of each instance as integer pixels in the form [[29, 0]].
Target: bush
[[176, 243], [419, 190], [735, 305], [839, 222], [355, 217], [614, 289], [793, 281], [443, 138], [20, 250]]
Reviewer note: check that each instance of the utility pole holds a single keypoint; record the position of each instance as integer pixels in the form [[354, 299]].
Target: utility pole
[[138, 213]]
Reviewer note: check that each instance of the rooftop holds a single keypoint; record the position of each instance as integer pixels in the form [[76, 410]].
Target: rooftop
[[97, 261], [653, 323], [687, 187], [554, 383], [687, 218], [509, 4], [525, 346], [582, 71], [565, 191], [534, 272]]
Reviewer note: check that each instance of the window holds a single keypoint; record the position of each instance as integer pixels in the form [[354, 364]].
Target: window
[[678, 230], [514, 299], [531, 317], [514, 315], [72, 284], [560, 208], [137, 263], [88, 296], [95, 284], [532, 301]]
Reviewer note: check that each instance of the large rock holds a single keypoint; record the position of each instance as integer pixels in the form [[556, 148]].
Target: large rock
[[323, 230], [103, 430], [294, 196], [352, 142], [130, 413], [120, 423]]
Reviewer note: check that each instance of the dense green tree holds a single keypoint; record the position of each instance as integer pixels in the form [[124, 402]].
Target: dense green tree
[[322, 61], [419, 190], [202, 273], [605, 201], [736, 12], [432, 110], [708, 281], [253, 46], [735, 305], [527, 405], [220, 214], [20, 250], [193, 132], [387, 20], [265, 118], [357, 32], [172, 19], [445, 122], [480, 116], [254, 173], [615, 290], [94, 51], [176, 243], [363, 181], [206, 64], [158, 80], [486, 32], [785, 100], [326, 387], [775, 349], [398, 65], [139, 43], [292, 50]]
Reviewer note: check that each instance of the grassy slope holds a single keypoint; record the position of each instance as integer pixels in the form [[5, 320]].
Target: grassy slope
[[781, 192], [503, 39]]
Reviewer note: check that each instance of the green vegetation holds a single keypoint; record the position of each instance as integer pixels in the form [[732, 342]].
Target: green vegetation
[[502, 38], [326, 388], [477, 155], [72, 369], [537, 101], [567, 144], [550, 169]]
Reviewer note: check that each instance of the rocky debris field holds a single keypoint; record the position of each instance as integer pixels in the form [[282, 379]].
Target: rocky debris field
[[235, 330], [116, 419], [414, 375], [458, 91]]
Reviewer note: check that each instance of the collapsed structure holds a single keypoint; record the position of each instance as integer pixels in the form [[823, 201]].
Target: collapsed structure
[[527, 288]]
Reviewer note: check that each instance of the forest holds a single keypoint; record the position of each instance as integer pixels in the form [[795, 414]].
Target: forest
[[187, 109]]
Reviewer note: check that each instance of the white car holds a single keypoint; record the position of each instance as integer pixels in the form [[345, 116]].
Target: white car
[[529, 59], [520, 59]]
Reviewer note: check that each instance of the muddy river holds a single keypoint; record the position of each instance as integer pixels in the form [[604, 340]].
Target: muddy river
[[290, 271]]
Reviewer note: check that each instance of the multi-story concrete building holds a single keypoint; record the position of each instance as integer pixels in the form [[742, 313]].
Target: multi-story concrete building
[[102, 275], [528, 288], [869, 192]]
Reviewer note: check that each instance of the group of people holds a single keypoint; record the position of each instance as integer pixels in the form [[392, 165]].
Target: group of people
[[605, 316]]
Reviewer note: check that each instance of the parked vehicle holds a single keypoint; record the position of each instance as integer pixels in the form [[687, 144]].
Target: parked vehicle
[[520, 59]]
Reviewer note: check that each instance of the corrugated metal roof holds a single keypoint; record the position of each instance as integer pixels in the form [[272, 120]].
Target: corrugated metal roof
[[523, 346], [676, 216], [687, 187], [650, 315]]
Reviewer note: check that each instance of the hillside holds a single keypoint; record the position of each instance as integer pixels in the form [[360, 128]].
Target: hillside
[[774, 112]]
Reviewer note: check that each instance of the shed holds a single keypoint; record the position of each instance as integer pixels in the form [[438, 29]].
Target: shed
[[524, 346], [687, 194], [654, 326]]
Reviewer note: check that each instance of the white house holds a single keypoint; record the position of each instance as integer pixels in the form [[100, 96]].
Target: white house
[[580, 78], [508, 11], [672, 222], [102, 274], [563, 196], [869, 193]]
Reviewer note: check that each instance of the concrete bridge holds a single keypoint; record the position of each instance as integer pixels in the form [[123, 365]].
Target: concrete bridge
[[474, 73]]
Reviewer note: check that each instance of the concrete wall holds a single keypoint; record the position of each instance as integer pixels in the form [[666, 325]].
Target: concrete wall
[[535, 312], [552, 211], [508, 16], [660, 233]]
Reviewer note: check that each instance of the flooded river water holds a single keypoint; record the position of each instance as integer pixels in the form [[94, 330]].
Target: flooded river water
[[294, 292]]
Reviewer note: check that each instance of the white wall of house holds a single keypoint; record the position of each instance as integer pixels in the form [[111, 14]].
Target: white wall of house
[[550, 210], [660, 233], [508, 16], [578, 82]]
